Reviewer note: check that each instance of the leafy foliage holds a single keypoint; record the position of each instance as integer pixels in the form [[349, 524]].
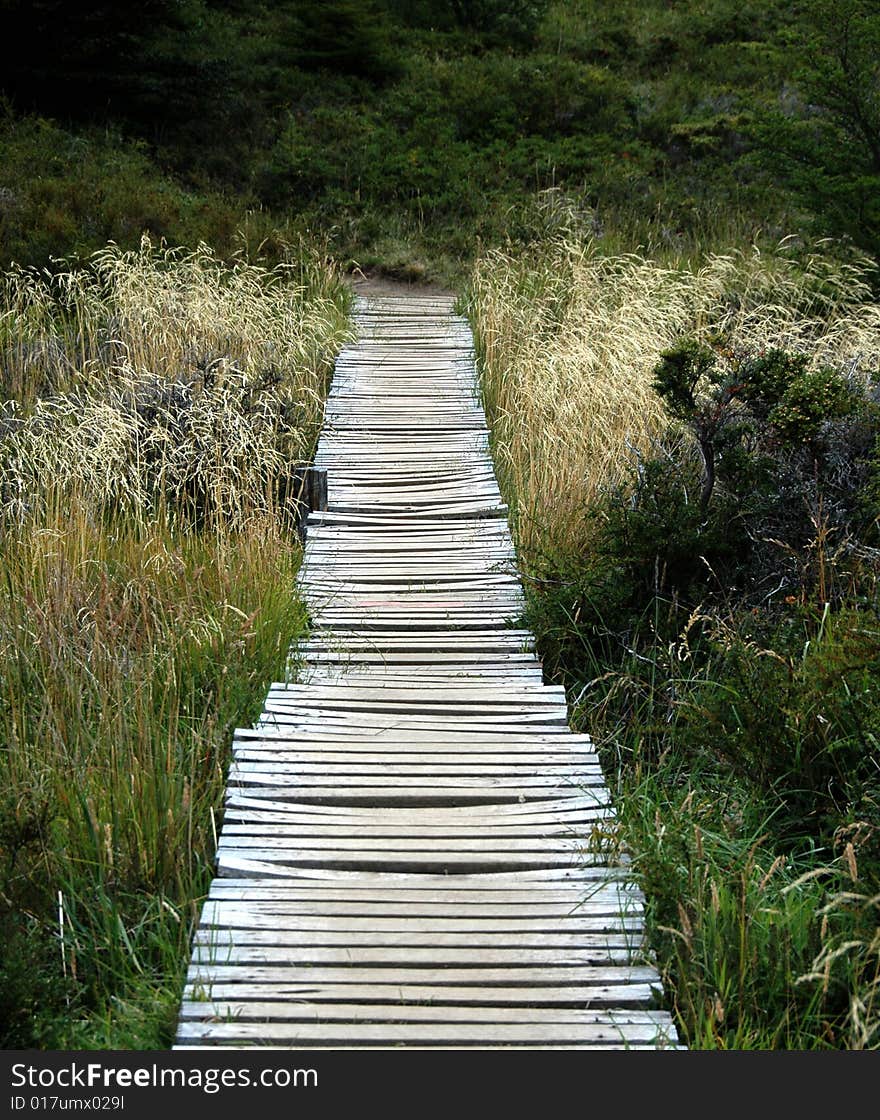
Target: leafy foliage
[[824, 137], [514, 20], [409, 131]]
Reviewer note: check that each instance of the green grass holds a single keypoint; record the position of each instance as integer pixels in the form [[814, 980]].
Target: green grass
[[127, 659]]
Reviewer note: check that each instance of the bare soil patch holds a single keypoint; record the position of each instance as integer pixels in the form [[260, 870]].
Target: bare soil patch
[[364, 285]]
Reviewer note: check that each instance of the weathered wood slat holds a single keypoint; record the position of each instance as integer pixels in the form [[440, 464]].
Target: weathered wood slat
[[398, 726], [526, 881], [585, 976], [328, 1034], [425, 854], [266, 910], [283, 994], [443, 764], [401, 791], [231, 917], [254, 824], [360, 691], [499, 815], [282, 893], [261, 901], [617, 943], [359, 1012], [479, 742], [247, 767]]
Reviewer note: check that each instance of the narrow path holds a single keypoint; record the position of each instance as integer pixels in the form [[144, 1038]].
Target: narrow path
[[408, 852]]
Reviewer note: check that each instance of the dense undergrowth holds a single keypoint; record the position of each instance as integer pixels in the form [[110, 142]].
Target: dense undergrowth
[[158, 405], [692, 459], [410, 132]]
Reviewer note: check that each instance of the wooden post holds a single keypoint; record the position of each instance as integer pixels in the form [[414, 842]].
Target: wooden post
[[316, 489]]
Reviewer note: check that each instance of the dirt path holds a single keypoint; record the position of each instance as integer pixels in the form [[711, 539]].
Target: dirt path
[[383, 286]]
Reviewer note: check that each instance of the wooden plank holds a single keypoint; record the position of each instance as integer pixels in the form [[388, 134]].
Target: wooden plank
[[429, 860], [498, 694], [244, 1010], [235, 916], [405, 897], [282, 993], [589, 978], [253, 765], [490, 787], [333, 914], [299, 825], [373, 714], [389, 764], [531, 969], [397, 728], [396, 794], [354, 749], [236, 866], [568, 887], [328, 1034], [280, 842], [406, 738], [506, 811], [597, 944], [521, 880]]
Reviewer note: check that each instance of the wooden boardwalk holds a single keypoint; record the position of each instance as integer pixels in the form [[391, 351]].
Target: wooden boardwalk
[[409, 852]]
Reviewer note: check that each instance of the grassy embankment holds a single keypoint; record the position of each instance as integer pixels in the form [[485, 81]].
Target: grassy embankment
[[158, 405], [721, 644]]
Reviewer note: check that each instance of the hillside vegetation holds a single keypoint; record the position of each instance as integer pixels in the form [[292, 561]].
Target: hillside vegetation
[[408, 132]]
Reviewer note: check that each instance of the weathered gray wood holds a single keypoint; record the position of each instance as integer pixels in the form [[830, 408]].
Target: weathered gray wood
[[587, 977], [415, 849], [230, 916], [267, 911], [602, 944], [278, 819], [558, 809], [327, 1034], [282, 994], [405, 892], [358, 1012], [578, 881]]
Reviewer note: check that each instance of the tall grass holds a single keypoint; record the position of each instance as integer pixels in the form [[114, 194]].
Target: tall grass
[[157, 401], [760, 866], [162, 376], [158, 309], [567, 340]]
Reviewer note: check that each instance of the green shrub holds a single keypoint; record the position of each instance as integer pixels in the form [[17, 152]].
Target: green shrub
[[65, 193], [801, 725], [787, 454], [808, 403]]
